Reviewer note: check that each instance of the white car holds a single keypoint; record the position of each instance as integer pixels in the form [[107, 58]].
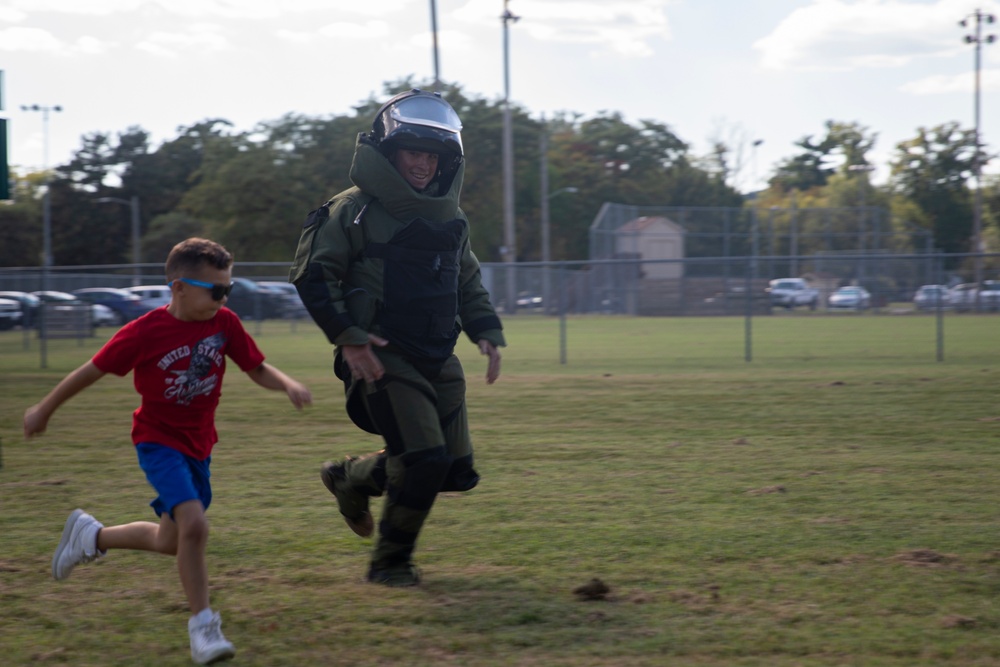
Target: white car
[[102, 316], [849, 298], [963, 297], [153, 296], [989, 295], [932, 297], [10, 313], [791, 292]]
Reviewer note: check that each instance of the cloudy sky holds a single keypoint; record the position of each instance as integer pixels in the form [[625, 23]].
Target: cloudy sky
[[736, 70]]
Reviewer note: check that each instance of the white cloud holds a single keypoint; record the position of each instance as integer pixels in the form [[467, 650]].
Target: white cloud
[[386, 9], [624, 27], [29, 39], [240, 9], [295, 37], [36, 40], [90, 7], [92, 46], [11, 15], [16, 10], [960, 83], [201, 38], [354, 31], [844, 35]]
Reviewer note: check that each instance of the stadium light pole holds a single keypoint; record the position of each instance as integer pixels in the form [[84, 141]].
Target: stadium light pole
[[434, 46], [753, 166], [509, 238], [46, 220], [133, 204], [977, 216]]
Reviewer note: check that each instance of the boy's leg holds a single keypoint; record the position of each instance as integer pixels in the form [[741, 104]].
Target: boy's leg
[[185, 493], [138, 536], [190, 526]]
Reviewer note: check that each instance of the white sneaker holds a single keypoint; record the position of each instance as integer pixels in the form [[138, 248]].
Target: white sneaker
[[78, 544], [207, 643]]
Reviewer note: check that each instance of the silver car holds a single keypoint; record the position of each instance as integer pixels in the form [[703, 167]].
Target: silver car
[[10, 314], [932, 297], [153, 296], [849, 298]]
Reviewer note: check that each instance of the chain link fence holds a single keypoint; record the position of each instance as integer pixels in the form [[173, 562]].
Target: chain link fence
[[693, 286], [711, 285]]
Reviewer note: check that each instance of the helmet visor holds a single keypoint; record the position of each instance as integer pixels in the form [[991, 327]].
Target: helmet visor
[[427, 111]]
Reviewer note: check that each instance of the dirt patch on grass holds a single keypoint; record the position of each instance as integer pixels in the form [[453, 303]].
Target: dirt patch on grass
[[42, 482], [595, 589], [956, 621], [764, 490], [9, 566], [925, 558]]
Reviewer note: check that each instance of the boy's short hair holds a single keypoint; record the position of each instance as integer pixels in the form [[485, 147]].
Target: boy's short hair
[[193, 254]]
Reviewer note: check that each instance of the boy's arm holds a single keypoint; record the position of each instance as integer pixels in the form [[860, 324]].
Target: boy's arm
[[36, 418], [269, 377]]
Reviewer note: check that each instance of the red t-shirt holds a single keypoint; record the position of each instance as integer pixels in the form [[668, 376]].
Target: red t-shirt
[[178, 372]]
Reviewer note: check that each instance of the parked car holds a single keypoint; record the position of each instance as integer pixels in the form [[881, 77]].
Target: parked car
[[529, 301], [251, 301], [792, 292], [153, 296], [99, 315], [932, 297], [963, 297], [57, 297], [102, 316], [850, 297], [126, 305], [29, 304], [989, 295], [294, 308], [10, 314]]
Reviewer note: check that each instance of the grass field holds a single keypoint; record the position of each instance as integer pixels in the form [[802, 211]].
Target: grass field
[[832, 502]]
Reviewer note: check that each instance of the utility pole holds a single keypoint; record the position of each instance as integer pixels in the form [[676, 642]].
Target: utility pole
[[509, 238], [434, 42], [977, 219], [46, 224]]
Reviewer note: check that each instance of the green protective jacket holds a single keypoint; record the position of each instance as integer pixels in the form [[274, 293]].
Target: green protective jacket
[[343, 288]]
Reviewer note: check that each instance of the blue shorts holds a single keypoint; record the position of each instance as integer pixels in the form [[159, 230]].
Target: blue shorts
[[176, 477]]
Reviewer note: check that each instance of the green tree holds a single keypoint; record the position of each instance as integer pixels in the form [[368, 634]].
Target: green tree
[[166, 231], [847, 143], [932, 170], [21, 222]]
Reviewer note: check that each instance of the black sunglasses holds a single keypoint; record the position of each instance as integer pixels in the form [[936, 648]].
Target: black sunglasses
[[219, 291]]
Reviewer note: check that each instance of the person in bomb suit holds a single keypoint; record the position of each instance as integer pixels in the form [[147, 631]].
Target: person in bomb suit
[[386, 270]]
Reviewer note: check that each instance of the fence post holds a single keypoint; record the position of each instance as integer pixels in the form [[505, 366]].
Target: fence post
[[562, 314]]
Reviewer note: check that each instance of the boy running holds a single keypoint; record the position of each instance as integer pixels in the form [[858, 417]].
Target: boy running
[[177, 353]]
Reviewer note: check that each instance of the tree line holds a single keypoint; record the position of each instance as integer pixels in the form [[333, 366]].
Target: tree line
[[251, 190]]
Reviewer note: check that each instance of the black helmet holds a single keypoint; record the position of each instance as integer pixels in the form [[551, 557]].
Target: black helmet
[[418, 120]]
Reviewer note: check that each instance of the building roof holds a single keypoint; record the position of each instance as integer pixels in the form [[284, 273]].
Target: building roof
[[645, 222]]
